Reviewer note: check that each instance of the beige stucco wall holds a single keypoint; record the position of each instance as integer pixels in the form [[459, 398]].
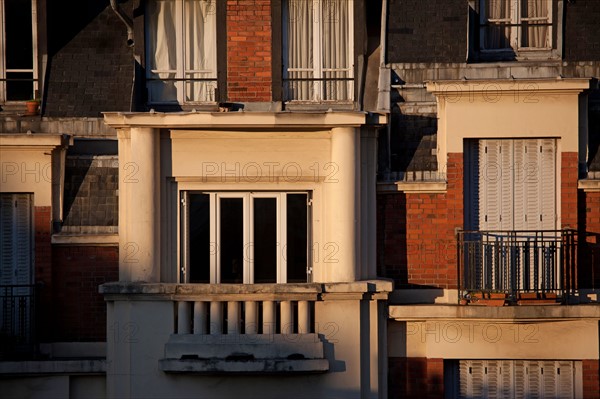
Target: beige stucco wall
[[494, 339], [27, 171], [515, 108]]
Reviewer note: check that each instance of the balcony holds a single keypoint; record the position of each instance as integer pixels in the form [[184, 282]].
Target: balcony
[[212, 329], [17, 321], [523, 267]]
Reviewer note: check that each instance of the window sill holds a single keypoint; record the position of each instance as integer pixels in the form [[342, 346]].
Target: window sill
[[319, 106]]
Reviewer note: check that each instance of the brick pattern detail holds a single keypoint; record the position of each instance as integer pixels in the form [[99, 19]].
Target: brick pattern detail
[[249, 50], [591, 379], [568, 184], [589, 224], [582, 41], [79, 310], [417, 244], [432, 31], [415, 378], [91, 66], [91, 192], [43, 269]]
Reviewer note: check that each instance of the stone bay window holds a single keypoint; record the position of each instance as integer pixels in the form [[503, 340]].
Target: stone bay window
[[241, 246]]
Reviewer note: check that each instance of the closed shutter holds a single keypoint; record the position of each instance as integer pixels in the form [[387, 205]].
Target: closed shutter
[[16, 264], [516, 184], [495, 185], [519, 379], [16, 239]]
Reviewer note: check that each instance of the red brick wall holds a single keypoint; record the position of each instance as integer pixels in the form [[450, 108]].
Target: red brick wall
[[249, 50], [591, 379], [569, 176], [415, 378], [79, 310], [589, 224], [417, 243], [43, 269]]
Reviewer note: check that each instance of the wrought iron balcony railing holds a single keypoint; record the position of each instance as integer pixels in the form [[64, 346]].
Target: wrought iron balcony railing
[[514, 262], [17, 321]]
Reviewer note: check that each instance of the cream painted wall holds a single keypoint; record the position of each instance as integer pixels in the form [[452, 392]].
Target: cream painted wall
[[494, 339], [500, 108], [27, 171]]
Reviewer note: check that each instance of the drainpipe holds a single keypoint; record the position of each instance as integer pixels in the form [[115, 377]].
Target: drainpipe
[[126, 20]]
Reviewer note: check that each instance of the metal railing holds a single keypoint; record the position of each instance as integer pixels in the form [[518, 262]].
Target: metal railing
[[17, 320], [512, 262]]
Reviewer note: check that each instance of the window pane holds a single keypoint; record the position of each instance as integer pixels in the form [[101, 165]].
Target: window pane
[[199, 238], [265, 240], [534, 31], [232, 240], [19, 48], [297, 237], [19, 86], [497, 32]]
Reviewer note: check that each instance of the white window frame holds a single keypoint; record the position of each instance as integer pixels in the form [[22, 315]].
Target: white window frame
[[516, 21], [181, 72], [34, 69], [248, 233], [317, 54]]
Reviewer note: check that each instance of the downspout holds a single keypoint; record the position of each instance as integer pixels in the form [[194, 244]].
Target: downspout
[[126, 20]]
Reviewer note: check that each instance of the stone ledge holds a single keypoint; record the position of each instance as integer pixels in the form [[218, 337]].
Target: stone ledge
[[589, 186], [257, 366], [260, 291], [82, 366], [525, 312]]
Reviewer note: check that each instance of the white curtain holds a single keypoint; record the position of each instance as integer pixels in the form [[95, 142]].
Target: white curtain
[[327, 57], [195, 40], [200, 21], [162, 50], [497, 34], [533, 34], [335, 16], [300, 63]]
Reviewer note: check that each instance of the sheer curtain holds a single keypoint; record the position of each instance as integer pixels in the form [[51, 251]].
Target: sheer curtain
[[200, 21], [300, 62], [335, 16], [170, 38], [313, 61], [162, 50], [536, 13], [498, 18]]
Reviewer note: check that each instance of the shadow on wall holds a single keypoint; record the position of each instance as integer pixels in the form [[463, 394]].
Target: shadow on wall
[[411, 148]]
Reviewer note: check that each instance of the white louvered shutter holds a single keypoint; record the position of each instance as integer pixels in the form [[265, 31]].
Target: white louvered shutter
[[519, 379], [548, 186], [565, 380]]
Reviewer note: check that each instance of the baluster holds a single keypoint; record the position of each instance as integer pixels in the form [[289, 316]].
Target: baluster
[[303, 317], [268, 322], [200, 316], [251, 318], [287, 320], [233, 317], [184, 317], [216, 318]]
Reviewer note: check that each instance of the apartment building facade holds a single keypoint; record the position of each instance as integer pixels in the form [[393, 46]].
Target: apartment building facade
[[489, 190], [304, 198]]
